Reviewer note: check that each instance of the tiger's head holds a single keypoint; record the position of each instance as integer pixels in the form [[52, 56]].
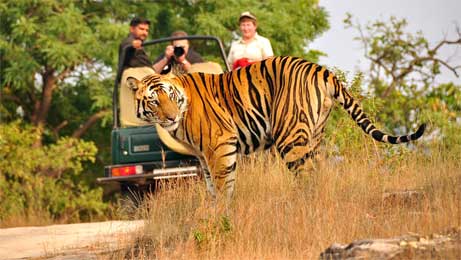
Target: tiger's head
[[158, 100]]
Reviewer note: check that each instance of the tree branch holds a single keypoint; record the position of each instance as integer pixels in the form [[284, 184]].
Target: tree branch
[[437, 47], [452, 68], [15, 99], [379, 62], [61, 76], [59, 127], [90, 122]]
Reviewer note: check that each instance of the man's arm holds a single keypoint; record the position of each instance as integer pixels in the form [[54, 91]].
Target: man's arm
[[128, 42], [160, 63], [127, 45]]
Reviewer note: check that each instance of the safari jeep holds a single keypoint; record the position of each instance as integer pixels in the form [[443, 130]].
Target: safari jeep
[[139, 157]]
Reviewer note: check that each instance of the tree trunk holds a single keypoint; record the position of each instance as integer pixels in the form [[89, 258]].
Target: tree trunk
[[49, 84], [43, 106]]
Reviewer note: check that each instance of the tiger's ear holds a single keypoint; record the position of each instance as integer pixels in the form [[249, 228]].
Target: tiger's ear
[[133, 83]]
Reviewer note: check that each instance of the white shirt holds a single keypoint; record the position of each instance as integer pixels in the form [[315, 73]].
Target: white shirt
[[258, 49]]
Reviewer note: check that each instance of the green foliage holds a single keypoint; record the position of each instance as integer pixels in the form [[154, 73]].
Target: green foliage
[[301, 21], [67, 44], [44, 179], [71, 46], [68, 48], [403, 69], [342, 133], [212, 228], [57, 34], [199, 237], [442, 108]]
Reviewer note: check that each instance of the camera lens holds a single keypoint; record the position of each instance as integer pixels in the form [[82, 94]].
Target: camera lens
[[178, 51]]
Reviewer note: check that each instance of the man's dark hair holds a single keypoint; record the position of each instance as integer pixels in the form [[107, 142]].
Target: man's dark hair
[[139, 20]]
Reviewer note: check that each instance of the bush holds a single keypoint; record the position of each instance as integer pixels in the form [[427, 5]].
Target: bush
[[440, 108], [41, 181]]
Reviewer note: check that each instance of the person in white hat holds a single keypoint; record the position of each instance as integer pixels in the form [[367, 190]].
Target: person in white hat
[[251, 47]]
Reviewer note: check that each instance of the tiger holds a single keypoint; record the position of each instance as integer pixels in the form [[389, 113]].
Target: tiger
[[281, 101]]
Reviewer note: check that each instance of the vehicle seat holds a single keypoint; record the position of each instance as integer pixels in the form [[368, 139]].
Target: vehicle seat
[[126, 98], [206, 67]]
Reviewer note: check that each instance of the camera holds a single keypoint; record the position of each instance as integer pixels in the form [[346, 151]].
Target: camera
[[178, 51]]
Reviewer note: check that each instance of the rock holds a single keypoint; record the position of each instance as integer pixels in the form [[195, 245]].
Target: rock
[[414, 246]]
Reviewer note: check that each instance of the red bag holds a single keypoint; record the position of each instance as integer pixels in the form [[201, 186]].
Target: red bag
[[240, 63]]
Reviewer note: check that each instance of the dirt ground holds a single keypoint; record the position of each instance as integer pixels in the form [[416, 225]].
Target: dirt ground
[[65, 240]]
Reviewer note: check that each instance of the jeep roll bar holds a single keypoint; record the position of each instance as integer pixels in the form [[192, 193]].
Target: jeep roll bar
[[121, 60]]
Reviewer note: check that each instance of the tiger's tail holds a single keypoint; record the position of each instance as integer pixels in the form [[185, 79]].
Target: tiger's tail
[[354, 109]]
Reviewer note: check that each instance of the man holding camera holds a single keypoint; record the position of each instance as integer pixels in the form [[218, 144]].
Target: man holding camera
[[177, 57]]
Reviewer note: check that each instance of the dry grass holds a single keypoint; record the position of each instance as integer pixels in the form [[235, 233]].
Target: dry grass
[[276, 216]]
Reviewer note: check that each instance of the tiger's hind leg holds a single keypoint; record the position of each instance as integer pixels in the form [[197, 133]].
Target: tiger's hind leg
[[299, 146], [299, 158]]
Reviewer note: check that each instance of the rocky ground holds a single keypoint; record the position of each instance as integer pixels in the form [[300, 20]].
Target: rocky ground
[[412, 246]]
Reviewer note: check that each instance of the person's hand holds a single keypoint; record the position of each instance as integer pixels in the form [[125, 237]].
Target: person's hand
[[185, 63], [181, 58], [169, 51], [137, 44]]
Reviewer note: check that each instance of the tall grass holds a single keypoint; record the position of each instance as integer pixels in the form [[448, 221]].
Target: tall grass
[[277, 216]]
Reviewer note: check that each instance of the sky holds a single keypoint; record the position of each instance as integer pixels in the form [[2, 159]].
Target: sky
[[435, 18]]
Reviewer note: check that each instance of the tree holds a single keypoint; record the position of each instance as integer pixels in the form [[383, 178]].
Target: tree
[[53, 53], [403, 69], [290, 25], [52, 47]]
